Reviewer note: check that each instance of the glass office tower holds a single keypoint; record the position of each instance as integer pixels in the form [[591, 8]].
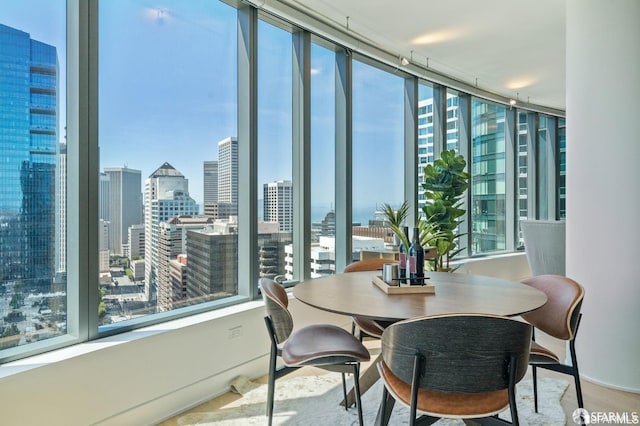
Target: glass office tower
[[28, 149]]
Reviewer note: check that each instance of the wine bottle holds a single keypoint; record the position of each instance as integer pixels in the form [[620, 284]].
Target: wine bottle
[[415, 264], [402, 261], [402, 258]]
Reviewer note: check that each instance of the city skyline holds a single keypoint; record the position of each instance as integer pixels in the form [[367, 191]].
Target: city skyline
[[193, 111]]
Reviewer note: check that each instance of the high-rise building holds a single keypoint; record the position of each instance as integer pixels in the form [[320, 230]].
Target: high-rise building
[[178, 277], [210, 182], [278, 204], [212, 269], [125, 204], [103, 194], [228, 171], [172, 241], [29, 152], [61, 210], [103, 244], [136, 241], [166, 195]]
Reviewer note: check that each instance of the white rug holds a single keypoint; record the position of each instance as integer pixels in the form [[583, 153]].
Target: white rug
[[314, 400]]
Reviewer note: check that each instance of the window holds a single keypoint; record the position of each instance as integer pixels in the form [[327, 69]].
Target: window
[[33, 174], [378, 152], [323, 216], [562, 168], [425, 137], [163, 114], [275, 186], [488, 196], [172, 168]]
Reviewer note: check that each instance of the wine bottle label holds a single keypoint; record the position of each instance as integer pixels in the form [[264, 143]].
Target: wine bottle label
[[412, 264], [403, 260]]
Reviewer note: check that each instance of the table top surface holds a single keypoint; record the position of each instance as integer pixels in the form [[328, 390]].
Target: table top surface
[[355, 294]]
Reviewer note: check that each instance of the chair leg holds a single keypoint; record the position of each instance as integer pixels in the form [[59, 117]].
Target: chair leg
[[344, 391], [576, 374], [534, 371], [386, 407], [356, 385], [272, 384]]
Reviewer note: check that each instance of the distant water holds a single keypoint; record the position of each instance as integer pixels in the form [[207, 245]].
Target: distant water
[[360, 214]]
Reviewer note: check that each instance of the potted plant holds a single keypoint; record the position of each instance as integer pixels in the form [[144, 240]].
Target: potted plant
[[396, 218], [445, 182]]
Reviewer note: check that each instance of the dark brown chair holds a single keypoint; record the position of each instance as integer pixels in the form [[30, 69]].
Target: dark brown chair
[[319, 345], [463, 366], [367, 326], [559, 318]]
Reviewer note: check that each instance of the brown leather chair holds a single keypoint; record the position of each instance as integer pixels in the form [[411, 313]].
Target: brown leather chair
[[367, 326], [319, 345], [453, 366], [559, 318]]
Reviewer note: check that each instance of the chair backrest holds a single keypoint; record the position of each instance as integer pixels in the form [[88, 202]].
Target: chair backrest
[[276, 301], [367, 265], [544, 243], [559, 316], [461, 352]]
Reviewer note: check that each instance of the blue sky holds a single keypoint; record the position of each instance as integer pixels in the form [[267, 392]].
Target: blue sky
[[168, 93]]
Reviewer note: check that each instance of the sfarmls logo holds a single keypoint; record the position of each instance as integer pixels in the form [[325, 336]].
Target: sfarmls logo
[[583, 417]]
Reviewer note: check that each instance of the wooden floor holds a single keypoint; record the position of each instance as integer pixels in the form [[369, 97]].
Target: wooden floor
[[596, 398]]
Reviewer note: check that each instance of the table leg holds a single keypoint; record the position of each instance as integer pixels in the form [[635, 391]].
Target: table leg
[[367, 379]]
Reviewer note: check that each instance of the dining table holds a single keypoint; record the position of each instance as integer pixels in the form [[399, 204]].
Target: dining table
[[355, 294]]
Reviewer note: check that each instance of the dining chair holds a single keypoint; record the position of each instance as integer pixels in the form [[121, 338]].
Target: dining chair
[[560, 318], [544, 244], [320, 345], [461, 366], [367, 327]]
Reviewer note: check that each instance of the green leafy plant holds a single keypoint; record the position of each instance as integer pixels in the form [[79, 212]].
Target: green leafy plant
[[396, 220], [445, 182], [427, 231]]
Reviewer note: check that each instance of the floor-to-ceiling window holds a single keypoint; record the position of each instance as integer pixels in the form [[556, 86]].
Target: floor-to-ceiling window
[[168, 130], [562, 168], [378, 152], [544, 165], [488, 189], [168, 187], [323, 215], [275, 186], [524, 159], [452, 134], [425, 137], [33, 173]]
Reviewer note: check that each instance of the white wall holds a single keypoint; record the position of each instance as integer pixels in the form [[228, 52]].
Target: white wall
[[148, 375], [603, 171]]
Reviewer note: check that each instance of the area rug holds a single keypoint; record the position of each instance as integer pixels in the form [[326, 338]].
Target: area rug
[[314, 400]]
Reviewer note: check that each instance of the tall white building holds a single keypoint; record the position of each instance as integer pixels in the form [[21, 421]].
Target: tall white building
[[125, 204], [103, 244], [136, 241], [278, 203], [103, 194], [166, 195], [228, 171], [172, 241], [425, 136], [210, 182]]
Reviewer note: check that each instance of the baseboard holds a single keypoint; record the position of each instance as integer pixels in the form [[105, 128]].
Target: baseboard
[[172, 404], [609, 385]]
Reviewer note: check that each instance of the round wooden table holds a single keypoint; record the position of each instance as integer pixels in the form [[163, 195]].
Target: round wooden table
[[354, 294]]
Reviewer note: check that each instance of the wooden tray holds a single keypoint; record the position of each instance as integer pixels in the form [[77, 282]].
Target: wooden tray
[[405, 289]]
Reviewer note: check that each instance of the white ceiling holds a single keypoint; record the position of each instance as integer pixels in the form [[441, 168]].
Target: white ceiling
[[515, 48]]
